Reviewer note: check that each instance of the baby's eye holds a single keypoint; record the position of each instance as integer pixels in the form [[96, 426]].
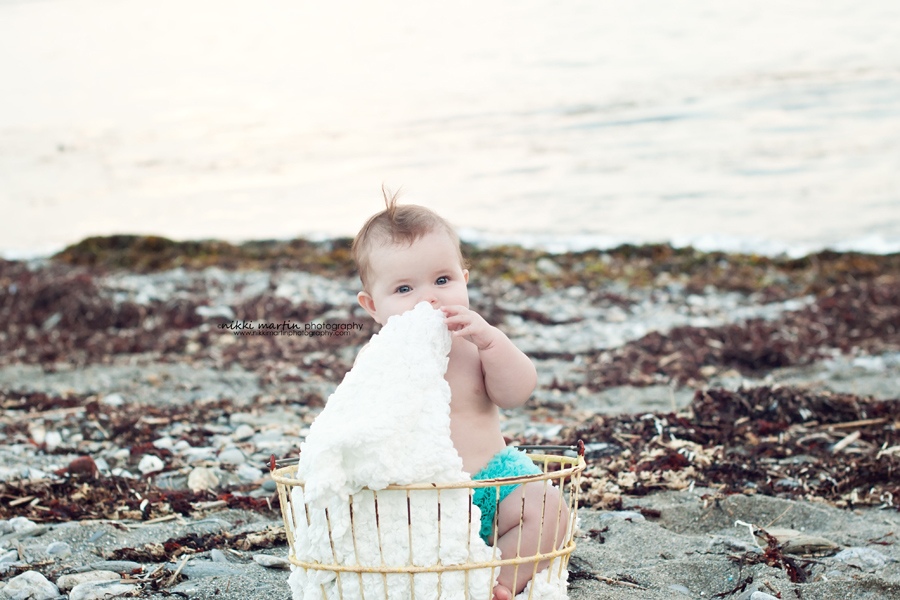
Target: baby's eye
[[443, 279], [403, 289]]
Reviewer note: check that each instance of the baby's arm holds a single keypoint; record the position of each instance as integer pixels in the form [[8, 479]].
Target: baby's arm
[[509, 375]]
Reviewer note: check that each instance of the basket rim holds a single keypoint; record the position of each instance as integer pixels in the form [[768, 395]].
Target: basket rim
[[281, 476], [438, 568]]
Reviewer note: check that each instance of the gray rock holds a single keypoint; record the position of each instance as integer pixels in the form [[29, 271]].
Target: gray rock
[[600, 449], [248, 473], [9, 557], [762, 596], [218, 556], [96, 536], [621, 515], [680, 589], [272, 562], [30, 585], [117, 566], [25, 533], [269, 485], [211, 525], [60, 549], [188, 588], [751, 589], [21, 524], [113, 400], [172, 480], [5, 527], [797, 542], [151, 464], [202, 478], [67, 582], [198, 569], [96, 590], [243, 432], [270, 435], [864, 558], [232, 456], [735, 545]]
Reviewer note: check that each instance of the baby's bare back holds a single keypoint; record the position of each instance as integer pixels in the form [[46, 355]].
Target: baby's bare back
[[474, 419]]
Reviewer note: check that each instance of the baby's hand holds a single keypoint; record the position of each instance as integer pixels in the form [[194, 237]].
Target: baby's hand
[[466, 323]]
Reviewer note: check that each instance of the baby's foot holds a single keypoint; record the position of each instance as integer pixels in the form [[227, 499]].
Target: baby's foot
[[501, 592]]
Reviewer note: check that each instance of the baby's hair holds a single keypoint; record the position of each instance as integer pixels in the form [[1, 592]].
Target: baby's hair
[[397, 224]]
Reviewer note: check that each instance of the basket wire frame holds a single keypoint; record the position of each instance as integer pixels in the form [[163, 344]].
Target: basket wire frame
[[562, 471]]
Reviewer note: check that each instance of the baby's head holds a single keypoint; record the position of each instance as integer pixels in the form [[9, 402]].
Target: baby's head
[[405, 255]]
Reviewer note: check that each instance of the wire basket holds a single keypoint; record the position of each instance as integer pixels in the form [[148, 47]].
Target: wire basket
[[562, 472]]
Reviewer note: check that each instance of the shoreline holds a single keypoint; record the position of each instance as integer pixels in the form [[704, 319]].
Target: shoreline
[[110, 352]]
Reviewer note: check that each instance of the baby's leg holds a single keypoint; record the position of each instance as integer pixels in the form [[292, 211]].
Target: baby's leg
[[550, 532]]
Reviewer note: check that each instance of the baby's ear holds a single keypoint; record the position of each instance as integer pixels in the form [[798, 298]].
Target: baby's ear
[[466, 275], [367, 302]]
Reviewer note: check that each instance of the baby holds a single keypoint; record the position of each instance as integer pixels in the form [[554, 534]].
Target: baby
[[406, 255]]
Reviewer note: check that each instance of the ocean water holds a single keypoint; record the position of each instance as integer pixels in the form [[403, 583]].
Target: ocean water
[[767, 127]]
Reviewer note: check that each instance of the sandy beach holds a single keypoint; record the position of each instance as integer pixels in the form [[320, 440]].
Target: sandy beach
[[710, 389]]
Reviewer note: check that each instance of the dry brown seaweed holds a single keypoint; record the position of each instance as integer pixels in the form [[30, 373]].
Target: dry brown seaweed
[[776, 441]]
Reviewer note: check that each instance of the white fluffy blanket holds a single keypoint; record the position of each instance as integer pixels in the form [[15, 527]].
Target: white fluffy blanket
[[388, 422]]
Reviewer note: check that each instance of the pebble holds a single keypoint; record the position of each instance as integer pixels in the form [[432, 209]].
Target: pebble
[[232, 456], [243, 432], [67, 582], [201, 454], [622, 515], [680, 588], [151, 464], [113, 400], [30, 585], [269, 485], [218, 556], [53, 440], [119, 566], [95, 590], [5, 527], [198, 569], [187, 588], [96, 536], [762, 596], [210, 525], [164, 442], [248, 473], [20, 524], [9, 557], [272, 562], [60, 549], [864, 558], [600, 449], [797, 542], [735, 545], [751, 589], [202, 478]]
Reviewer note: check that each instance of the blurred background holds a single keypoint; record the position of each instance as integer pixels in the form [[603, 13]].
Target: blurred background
[[762, 127]]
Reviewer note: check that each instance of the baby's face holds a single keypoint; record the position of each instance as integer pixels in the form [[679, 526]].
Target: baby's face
[[401, 276]]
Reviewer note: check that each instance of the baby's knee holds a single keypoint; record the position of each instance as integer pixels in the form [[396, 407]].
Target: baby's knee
[[546, 504]]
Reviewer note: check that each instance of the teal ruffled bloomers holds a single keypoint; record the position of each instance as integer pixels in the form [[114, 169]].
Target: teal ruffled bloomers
[[509, 462]]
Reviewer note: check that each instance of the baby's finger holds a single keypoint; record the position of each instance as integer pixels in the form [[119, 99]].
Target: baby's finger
[[453, 309], [457, 319]]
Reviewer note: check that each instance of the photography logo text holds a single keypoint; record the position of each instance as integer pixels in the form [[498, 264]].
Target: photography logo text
[[291, 328]]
